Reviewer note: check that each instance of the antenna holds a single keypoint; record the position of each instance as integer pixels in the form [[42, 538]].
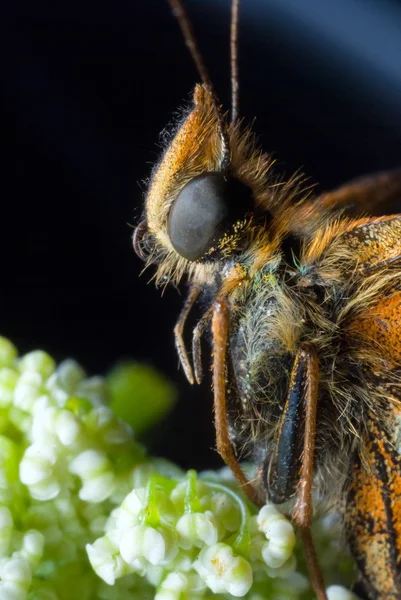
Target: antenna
[[180, 13], [234, 59]]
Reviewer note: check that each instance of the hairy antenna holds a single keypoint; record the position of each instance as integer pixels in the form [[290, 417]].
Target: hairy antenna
[[234, 60], [180, 13]]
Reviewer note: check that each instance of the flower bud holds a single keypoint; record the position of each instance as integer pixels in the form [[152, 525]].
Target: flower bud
[[223, 571], [15, 578], [95, 471], [141, 541], [338, 592], [36, 471], [28, 389], [197, 529], [8, 352], [32, 548], [37, 362], [106, 560]]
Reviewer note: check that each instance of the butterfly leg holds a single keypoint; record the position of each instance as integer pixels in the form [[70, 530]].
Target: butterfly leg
[[233, 279], [179, 332], [220, 332], [196, 343], [306, 379], [304, 507], [290, 468]]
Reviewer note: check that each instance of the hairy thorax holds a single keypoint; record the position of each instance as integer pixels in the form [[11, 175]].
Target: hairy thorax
[[274, 312]]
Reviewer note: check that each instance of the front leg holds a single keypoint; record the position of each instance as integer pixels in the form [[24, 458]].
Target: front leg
[[220, 332], [179, 333]]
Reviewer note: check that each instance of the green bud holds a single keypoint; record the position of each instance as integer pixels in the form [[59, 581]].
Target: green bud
[[8, 352]]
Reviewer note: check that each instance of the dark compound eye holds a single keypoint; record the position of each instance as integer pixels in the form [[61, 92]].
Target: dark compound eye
[[204, 210]]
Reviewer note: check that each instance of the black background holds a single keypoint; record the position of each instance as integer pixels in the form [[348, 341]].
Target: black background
[[87, 88]]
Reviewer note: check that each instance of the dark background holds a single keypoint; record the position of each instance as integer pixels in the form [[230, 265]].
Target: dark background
[[88, 86]]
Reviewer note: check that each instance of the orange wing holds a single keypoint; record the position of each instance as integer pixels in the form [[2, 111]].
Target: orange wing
[[373, 504], [369, 243], [375, 242], [378, 329], [373, 514], [377, 194]]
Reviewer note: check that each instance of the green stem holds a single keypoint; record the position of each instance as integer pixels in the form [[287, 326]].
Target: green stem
[[241, 542], [192, 503], [150, 514]]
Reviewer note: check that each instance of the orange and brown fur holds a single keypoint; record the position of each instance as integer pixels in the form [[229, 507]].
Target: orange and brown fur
[[302, 271]]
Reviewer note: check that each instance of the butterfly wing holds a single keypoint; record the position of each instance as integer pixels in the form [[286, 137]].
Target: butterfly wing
[[373, 513], [376, 195]]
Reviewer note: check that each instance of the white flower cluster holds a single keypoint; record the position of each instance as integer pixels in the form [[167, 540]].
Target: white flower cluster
[[195, 538], [77, 490], [65, 461]]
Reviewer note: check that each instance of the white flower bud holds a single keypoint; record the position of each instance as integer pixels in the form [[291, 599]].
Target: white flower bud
[[223, 571], [94, 389], [37, 362], [127, 515], [41, 404], [141, 541], [226, 511], [53, 423], [281, 544], [167, 468], [285, 571], [113, 431], [268, 514], [69, 375], [140, 474], [226, 474], [8, 352], [67, 427], [89, 463], [15, 578], [98, 488], [32, 548], [100, 418], [28, 389], [338, 592], [36, 471], [280, 534], [10, 590], [44, 421], [37, 463], [58, 393], [180, 491], [197, 529], [154, 573], [183, 562], [95, 471], [178, 585], [172, 587], [106, 561]]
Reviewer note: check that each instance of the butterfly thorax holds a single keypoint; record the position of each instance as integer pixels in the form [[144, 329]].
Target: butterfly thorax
[[275, 309]]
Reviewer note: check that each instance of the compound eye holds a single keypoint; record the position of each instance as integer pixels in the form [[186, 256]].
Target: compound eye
[[204, 210]]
